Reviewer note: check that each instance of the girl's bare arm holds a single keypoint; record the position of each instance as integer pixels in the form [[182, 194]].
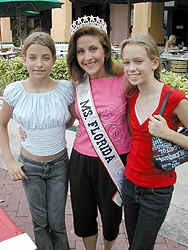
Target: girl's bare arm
[[14, 167]]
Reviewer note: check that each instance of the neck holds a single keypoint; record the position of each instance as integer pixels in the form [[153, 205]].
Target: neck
[[150, 88], [37, 86], [39, 82], [105, 75]]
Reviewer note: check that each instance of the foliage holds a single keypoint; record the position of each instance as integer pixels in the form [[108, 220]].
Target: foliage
[[3, 66], [116, 59], [176, 80], [14, 70], [11, 70], [59, 70]]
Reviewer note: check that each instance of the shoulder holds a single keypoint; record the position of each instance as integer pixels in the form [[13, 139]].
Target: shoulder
[[12, 92], [67, 85], [66, 90], [112, 81], [118, 80], [123, 83], [14, 86], [175, 93], [176, 96]]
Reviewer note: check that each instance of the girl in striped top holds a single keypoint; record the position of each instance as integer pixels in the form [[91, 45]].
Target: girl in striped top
[[41, 106]]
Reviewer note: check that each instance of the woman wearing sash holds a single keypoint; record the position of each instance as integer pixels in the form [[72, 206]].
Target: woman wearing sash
[[91, 187], [147, 191]]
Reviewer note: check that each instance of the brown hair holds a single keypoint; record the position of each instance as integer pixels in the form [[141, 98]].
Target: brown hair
[[41, 38], [147, 42], [74, 70]]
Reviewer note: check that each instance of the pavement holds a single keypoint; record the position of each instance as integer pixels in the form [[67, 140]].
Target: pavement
[[173, 234]]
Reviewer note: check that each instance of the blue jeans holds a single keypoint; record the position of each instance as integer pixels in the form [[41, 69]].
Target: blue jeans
[[46, 191], [145, 210]]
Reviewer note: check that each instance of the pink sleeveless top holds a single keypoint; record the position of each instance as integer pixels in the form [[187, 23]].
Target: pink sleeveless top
[[110, 103]]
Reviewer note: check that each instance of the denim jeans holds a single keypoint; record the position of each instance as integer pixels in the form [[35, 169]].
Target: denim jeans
[[46, 191], [145, 210]]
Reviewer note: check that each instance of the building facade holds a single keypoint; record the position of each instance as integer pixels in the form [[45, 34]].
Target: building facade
[[159, 19]]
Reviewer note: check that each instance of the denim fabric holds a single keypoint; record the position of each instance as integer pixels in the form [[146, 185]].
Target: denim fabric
[[145, 210], [46, 191]]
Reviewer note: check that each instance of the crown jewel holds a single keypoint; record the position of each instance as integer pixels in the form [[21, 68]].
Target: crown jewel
[[88, 21]]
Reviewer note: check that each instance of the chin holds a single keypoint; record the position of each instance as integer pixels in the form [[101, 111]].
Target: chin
[[92, 76], [133, 83]]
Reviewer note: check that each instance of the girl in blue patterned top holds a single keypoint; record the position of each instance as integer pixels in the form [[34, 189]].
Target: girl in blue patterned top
[[41, 106]]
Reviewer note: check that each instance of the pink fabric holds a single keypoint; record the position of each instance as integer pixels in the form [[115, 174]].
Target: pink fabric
[[110, 103]]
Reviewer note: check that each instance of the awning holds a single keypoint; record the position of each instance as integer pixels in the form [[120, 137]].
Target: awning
[[118, 1], [18, 7]]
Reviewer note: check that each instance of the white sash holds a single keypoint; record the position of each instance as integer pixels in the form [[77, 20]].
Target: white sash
[[99, 138]]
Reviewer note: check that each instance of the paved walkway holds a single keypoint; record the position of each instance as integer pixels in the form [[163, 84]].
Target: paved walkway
[[172, 236], [15, 205]]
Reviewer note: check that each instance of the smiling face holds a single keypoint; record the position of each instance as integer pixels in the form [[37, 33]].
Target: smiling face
[[39, 61], [90, 56], [138, 67]]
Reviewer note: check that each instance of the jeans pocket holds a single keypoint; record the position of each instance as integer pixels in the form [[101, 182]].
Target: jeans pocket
[[164, 190], [128, 188], [163, 195]]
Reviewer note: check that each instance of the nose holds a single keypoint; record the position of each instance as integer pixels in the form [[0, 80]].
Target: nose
[[39, 62], [132, 66], [87, 55]]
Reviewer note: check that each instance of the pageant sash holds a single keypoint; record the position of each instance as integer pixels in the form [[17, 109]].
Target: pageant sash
[[99, 138]]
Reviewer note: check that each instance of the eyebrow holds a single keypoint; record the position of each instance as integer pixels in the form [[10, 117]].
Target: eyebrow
[[134, 58], [33, 54]]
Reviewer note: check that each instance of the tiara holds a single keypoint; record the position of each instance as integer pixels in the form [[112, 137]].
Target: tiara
[[88, 21]]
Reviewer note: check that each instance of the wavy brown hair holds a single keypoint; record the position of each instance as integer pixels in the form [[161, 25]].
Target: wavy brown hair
[[74, 70], [41, 38]]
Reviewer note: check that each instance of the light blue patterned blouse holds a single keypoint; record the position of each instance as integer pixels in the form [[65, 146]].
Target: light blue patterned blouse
[[43, 116]]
